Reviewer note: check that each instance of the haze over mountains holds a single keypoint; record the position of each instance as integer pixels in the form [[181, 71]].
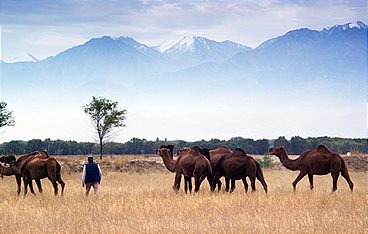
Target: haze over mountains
[[296, 70]]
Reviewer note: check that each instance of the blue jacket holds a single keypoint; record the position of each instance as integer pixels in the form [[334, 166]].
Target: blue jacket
[[91, 173]]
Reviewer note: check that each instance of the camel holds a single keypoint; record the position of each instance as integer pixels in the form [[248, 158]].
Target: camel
[[237, 166], [169, 162], [40, 168], [190, 163], [319, 161], [16, 167], [215, 155]]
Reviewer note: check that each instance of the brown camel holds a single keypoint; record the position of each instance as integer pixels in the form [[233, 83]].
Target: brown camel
[[215, 156], [319, 161], [237, 166], [16, 168], [191, 163], [40, 168], [170, 163]]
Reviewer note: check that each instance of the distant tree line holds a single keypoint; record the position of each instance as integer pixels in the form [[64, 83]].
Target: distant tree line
[[295, 145]]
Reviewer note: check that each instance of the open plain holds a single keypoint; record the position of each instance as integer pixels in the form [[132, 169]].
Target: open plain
[[143, 201]]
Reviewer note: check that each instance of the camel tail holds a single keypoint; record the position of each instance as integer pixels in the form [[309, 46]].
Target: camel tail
[[209, 173], [345, 174], [260, 177], [58, 171]]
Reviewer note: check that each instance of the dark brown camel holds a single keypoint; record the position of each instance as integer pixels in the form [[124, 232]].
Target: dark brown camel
[[237, 166], [215, 155], [319, 161], [40, 168], [16, 168]]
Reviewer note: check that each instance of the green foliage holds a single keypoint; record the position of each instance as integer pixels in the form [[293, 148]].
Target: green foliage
[[6, 118], [105, 115], [266, 161], [139, 146]]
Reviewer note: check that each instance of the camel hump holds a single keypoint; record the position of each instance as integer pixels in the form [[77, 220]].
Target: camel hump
[[44, 152], [33, 153], [323, 149], [240, 151], [223, 147]]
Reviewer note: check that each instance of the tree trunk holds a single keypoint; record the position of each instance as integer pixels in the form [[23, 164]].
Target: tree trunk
[[101, 148]]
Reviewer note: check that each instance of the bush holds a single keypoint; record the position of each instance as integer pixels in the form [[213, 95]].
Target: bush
[[266, 162]]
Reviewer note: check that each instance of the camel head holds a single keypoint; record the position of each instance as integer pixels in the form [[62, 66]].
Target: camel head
[[8, 159], [164, 152], [277, 151], [184, 149], [170, 147], [204, 151]]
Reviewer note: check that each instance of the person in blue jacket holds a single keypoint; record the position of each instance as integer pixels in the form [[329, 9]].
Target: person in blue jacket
[[91, 175]]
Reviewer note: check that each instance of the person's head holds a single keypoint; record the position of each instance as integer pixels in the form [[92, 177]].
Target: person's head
[[90, 159]]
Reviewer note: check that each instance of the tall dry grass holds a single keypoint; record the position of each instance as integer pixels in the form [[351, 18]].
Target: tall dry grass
[[145, 203]]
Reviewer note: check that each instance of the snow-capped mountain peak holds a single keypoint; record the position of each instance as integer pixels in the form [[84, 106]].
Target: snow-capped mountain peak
[[194, 47], [357, 24]]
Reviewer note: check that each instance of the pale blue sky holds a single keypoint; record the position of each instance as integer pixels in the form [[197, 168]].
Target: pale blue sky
[[44, 27]]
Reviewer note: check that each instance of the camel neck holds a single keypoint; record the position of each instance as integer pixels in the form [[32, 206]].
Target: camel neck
[[6, 171], [290, 164], [169, 163]]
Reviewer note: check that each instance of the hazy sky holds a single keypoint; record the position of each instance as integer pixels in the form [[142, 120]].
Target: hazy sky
[[44, 28]]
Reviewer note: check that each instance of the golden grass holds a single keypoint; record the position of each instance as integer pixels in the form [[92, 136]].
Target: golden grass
[[146, 203]]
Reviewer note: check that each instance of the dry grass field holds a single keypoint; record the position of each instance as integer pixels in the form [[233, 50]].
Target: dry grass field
[[145, 203]]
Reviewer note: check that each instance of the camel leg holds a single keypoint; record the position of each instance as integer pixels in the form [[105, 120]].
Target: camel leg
[[188, 182], [19, 182], [176, 185], [232, 186], [345, 174], [298, 178], [335, 177], [38, 182], [54, 184], [310, 177], [62, 186], [196, 184], [31, 186], [25, 182], [259, 175], [219, 184], [252, 183], [245, 185], [227, 184], [264, 184], [214, 182]]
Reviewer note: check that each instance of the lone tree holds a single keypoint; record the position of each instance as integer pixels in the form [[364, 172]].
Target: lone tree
[[6, 118], [105, 116]]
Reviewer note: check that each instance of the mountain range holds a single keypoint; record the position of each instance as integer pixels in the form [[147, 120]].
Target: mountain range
[[334, 55], [305, 81]]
